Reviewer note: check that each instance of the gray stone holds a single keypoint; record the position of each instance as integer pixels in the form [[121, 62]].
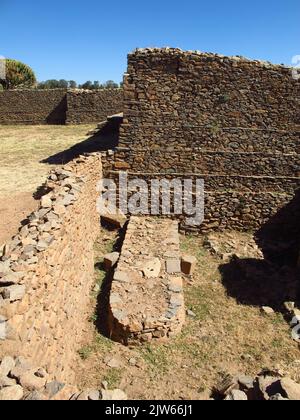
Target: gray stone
[[246, 382], [115, 298], [35, 396], [53, 388], [191, 314], [173, 266], [121, 277]]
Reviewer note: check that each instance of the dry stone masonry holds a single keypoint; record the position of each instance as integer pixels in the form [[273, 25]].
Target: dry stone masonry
[[233, 122], [58, 106], [146, 300], [46, 270]]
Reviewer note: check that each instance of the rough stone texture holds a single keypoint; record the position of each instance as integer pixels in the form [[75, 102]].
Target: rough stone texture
[[233, 122], [85, 106], [33, 106], [35, 384], [146, 301], [59, 106], [48, 270]]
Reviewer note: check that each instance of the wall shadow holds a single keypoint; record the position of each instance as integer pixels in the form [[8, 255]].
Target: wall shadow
[[275, 279], [58, 115], [105, 139]]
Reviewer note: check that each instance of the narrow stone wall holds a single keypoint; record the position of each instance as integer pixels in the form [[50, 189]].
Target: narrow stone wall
[[146, 300], [231, 121], [47, 270], [59, 106]]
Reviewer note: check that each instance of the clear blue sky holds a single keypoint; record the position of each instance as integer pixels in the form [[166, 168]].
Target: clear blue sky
[[89, 40]]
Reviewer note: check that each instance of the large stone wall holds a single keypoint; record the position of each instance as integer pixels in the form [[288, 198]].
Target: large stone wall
[[93, 106], [33, 106], [47, 271], [59, 106], [231, 121]]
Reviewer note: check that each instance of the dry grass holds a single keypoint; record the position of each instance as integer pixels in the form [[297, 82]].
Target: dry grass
[[22, 148], [225, 336]]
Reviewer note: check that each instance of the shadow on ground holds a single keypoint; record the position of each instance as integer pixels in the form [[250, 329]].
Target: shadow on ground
[[102, 308], [274, 279], [107, 138]]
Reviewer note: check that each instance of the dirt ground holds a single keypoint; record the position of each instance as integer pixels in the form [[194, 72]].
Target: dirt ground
[[229, 333], [22, 170]]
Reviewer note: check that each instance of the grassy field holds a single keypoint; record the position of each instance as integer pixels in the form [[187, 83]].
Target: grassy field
[[22, 148]]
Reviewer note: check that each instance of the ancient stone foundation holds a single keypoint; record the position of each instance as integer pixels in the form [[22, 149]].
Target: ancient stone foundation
[[146, 300]]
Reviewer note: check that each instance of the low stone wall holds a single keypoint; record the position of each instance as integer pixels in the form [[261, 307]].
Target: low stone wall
[[59, 106], [47, 270], [85, 106], [146, 300]]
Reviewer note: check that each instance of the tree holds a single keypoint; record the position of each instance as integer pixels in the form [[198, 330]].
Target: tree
[[86, 85], [110, 84], [17, 75], [72, 84]]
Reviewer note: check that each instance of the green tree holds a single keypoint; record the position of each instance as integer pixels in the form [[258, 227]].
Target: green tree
[[18, 75], [110, 84], [72, 84]]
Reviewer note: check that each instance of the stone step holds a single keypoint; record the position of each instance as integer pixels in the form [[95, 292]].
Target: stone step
[[146, 299]]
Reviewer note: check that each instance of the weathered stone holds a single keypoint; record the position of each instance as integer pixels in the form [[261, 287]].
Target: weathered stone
[[32, 382], [188, 264], [151, 269], [14, 393], [110, 260], [53, 388], [35, 396], [7, 364], [64, 394], [236, 395], [173, 266], [121, 277], [5, 381], [117, 220], [291, 389], [116, 394], [267, 310], [13, 293], [46, 201]]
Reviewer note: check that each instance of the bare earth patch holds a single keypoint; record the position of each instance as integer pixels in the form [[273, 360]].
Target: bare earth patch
[[222, 336], [22, 150]]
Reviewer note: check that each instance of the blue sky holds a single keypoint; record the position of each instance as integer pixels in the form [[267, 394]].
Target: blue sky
[[89, 40]]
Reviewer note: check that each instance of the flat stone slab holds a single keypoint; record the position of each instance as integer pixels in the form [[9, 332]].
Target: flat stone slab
[[146, 300]]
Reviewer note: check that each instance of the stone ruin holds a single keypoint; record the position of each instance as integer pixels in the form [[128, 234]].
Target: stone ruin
[[231, 121], [146, 299]]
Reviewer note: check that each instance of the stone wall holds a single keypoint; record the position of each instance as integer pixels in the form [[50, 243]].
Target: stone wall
[[93, 106], [47, 271], [59, 106], [231, 121], [33, 106]]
